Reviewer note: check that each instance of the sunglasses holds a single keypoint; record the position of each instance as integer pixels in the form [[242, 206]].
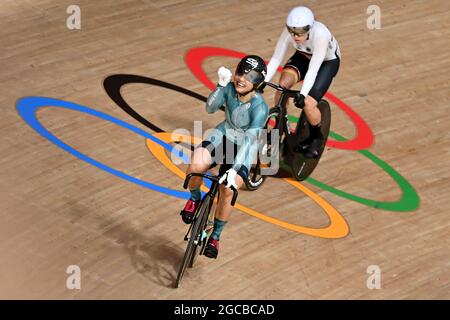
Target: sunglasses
[[252, 76], [298, 31]]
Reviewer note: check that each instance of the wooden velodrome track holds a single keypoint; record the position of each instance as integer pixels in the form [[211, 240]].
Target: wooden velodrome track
[[57, 210]]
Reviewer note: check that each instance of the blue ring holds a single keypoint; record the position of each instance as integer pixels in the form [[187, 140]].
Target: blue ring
[[27, 107]]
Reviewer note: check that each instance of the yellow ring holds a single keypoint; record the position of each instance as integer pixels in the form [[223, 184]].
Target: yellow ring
[[337, 228]]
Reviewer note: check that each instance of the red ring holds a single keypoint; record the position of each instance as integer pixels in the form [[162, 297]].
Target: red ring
[[364, 138]]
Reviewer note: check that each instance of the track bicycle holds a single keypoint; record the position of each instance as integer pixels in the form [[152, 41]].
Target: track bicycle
[[202, 224], [292, 144]]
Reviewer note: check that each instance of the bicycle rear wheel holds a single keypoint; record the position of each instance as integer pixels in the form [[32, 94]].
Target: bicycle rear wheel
[[301, 166], [192, 245]]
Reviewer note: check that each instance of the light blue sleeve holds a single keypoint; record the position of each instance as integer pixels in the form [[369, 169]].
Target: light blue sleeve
[[249, 147], [216, 99]]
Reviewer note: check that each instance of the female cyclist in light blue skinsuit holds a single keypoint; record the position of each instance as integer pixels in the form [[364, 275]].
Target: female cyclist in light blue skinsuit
[[233, 143]]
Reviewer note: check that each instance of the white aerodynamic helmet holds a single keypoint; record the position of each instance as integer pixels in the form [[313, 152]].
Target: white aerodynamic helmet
[[300, 20]]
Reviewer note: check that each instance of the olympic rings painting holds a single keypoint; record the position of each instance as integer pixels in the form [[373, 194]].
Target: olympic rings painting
[[161, 140]]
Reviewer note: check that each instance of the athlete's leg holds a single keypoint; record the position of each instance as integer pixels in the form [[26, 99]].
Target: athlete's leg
[[222, 215], [294, 70], [288, 78], [200, 163], [312, 112], [323, 81], [224, 208], [324, 77]]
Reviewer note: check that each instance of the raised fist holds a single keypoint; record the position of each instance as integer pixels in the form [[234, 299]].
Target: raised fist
[[224, 76]]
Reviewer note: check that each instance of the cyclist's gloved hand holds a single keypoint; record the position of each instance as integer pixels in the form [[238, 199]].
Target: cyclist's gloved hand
[[224, 76], [300, 101], [230, 178]]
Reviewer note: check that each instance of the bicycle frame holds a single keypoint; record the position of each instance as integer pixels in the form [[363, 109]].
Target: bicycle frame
[[215, 185], [283, 126], [211, 193]]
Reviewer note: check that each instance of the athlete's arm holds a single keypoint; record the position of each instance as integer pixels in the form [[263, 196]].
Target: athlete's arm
[[320, 51], [249, 147], [216, 99], [278, 55]]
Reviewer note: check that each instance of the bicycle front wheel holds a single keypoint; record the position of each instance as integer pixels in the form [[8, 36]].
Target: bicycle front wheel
[[193, 243], [203, 219]]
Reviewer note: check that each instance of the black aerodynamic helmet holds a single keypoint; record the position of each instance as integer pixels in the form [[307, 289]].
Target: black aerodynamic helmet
[[254, 68]]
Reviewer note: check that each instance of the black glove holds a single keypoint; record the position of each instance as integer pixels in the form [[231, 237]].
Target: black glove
[[299, 101]]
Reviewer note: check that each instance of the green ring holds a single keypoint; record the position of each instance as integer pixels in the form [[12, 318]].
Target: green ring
[[408, 202]]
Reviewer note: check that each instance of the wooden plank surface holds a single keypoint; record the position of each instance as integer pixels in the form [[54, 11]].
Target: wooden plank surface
[[57, 210]]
